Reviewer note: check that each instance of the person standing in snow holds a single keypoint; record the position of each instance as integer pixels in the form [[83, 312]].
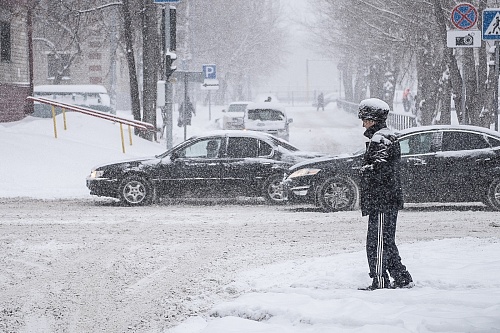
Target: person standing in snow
[[321, 102], [406, 100], [381, 197], [185, 115]]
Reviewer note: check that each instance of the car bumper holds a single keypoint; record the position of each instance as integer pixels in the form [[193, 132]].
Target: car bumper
[[233, 123], [233, 126], [299, 188], [103, 187]]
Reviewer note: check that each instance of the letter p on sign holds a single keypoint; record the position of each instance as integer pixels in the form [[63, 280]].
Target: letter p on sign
[[209, 72]]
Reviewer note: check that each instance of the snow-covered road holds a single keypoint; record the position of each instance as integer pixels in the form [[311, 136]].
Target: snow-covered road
[[92, 266]]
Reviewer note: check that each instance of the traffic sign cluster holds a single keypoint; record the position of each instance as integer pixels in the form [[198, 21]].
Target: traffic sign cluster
[[464, 17]]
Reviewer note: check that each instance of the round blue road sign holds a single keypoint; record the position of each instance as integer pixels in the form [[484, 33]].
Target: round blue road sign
[[464, 16]]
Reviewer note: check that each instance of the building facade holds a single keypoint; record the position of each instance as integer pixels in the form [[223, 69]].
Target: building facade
[[93, 57], [15, 75]]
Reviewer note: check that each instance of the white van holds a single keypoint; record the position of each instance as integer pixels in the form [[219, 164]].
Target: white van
[[233, 116], [267, 117], [88, 95]]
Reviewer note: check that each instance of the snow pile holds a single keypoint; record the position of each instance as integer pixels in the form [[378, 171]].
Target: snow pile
[[457, 290]]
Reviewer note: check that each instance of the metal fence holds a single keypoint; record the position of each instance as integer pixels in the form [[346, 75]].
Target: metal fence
[[395, 120]]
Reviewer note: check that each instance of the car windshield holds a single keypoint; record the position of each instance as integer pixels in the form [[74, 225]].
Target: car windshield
[[359, 151], [284, 144], [237, 108], [265, 114], [168, 152]]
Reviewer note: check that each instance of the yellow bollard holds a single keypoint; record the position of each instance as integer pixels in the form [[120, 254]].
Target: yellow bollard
[[123, 141], [130, 133], [54, 121], [64, 118]]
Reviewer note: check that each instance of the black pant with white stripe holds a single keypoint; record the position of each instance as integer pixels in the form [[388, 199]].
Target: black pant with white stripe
[[382, 252]]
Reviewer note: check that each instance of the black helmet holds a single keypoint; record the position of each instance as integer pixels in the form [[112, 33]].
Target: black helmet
[[373, 109]]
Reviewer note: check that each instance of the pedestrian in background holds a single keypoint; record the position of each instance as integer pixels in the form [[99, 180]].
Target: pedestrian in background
[[407, 100], [381, 197], [321, 102], [186, 114]]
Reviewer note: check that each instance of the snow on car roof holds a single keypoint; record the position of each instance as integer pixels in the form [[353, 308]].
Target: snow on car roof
[[448, 127], [267, 105], [246, 133], [240, 102]]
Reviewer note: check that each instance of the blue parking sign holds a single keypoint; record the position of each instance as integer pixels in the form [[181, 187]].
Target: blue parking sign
[[209, 72]]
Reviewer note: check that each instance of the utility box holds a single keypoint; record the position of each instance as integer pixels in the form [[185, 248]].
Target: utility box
[[160, 93]]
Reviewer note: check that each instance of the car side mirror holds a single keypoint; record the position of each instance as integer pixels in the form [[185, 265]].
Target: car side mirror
[[290, 120], [174, 156]]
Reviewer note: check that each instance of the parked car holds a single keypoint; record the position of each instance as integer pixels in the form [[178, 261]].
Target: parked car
[[233, 116], [220, 164], [438, 164], [268, 117], [88, 95]]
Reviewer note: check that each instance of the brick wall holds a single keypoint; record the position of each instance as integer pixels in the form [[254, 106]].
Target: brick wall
[[13, 104], [14, 75]]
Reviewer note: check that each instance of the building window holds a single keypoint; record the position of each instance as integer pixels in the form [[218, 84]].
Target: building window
[[95, 56], [95, 80], [57, 64], [5, 45]]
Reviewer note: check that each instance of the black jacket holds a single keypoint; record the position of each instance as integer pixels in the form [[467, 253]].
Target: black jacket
[[380, 173]]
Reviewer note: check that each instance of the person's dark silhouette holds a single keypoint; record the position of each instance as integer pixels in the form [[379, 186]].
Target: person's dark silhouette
[[496, 26]]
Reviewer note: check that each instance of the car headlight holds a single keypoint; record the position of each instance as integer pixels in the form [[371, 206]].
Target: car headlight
[[96, 174], [304, 172]]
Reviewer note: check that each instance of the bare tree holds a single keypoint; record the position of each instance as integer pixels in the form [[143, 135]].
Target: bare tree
[[244, 38]]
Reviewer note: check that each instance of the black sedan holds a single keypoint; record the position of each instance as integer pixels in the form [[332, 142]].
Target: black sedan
[[220, 164], [438, 164]]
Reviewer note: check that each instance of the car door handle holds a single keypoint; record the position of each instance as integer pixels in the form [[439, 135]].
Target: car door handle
[[417, 161]]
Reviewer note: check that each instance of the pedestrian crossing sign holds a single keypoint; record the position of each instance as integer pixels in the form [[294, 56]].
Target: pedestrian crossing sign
[[491, 24]]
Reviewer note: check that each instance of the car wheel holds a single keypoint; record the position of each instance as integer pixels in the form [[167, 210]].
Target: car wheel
[[136, 191], [493, 195], [336, 194], [273, 190]]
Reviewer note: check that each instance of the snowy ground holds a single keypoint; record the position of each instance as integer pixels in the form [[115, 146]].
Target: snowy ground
[[73, 263]]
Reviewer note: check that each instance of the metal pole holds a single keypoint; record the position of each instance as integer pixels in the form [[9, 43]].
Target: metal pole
[[184, 111], [307, 81], [209, 106], [112, 65], [168, 108], [495, 84], [464, 91]]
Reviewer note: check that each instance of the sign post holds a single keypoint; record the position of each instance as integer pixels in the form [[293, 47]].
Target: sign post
[[464, 18], [210, 82], [168, 43], [491, 31]]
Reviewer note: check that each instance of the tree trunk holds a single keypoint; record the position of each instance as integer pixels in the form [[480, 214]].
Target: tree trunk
[[347, 81], [359, 92], [472, 106], [150, 62], [134, 85], [482, 77], [376, 79], [428, 75], [452, 82]]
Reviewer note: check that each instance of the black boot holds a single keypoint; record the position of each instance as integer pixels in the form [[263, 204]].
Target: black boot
[[404, 280], [382, 283]]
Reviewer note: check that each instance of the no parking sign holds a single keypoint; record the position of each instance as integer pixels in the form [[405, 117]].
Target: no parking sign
[[464, 16]]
